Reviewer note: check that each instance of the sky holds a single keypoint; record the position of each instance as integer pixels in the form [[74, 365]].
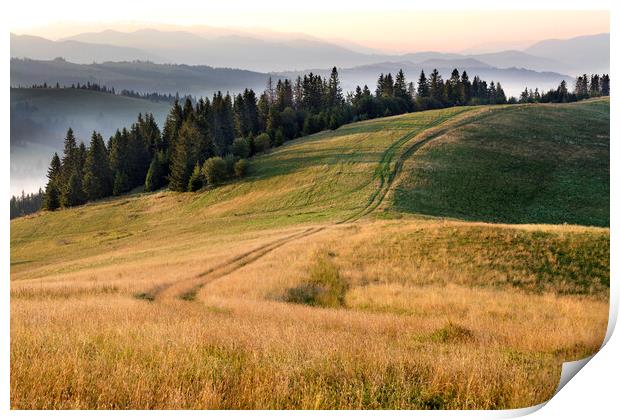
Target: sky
[[389, 26]]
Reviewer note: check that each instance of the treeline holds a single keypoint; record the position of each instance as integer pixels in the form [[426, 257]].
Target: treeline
[[26, 203], [206, 142], [95, 87], [585, 87], [394, 95]]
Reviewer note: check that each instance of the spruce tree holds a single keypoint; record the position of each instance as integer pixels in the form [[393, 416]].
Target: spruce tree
[[251, 112], [70, 157], [173, 123], [423, 90], [121, 184], [500, 96], [81, 159], [52, 193], [400, 85], [334, 89], [183, 160], [436, 87], [453, 86], [156, 175], [119, 159], [97, 175], [55, 170], [379, 92], [298, 94], [605, 85], [595, 86], [52, 197], [562, 92], [466, 87], [196, 179], [72, 194]]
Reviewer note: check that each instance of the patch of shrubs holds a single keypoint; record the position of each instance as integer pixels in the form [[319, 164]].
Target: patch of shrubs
[[262, 143], [217, 170], [324, 286]]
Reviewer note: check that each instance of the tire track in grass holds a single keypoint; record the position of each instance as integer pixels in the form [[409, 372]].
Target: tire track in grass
[[188, 289], [387, 175], [184, 288]]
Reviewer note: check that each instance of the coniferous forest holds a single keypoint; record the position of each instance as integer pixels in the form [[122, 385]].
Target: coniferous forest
[[206, 142]]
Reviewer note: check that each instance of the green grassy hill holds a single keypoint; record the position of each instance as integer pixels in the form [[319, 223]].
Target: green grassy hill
[[521, 164]]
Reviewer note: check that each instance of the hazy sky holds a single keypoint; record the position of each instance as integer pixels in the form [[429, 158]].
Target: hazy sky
[[390, 29]]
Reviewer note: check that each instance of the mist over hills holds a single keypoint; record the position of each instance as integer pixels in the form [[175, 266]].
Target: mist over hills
[[27, 46], [589, 53], [141, 76], [274, 52], [40, 119], [205, 80]]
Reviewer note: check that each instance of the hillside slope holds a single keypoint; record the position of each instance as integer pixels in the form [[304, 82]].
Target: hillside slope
[[526, 164], [305, 285]]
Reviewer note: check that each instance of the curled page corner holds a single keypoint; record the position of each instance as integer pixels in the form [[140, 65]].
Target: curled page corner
[[569, 370]]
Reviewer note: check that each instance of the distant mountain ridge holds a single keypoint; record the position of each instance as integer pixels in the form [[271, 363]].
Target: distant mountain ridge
[[27, 46], [589, 49], [275, 53], [142, 76], [205, 80]]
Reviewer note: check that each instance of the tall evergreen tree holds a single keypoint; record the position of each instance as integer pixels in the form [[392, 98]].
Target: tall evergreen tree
[[251, 112], [436, 88], [562, 92], [466, 93], [70, 157], [298, 94], [72, 193], [184, 158], [581, 87], [52, 191], [222, 122], [196, 179], [52, 197], [284, 95], [98, 180], [156, 175], [400, 85], [334, 90], [500, 96], [172, 125], [605, 85], [453, 88], [118, 152], [423, 89]]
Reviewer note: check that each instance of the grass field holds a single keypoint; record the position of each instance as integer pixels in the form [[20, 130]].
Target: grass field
[[350, 269]]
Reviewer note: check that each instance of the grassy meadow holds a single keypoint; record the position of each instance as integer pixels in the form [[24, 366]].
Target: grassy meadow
[[366, 267]]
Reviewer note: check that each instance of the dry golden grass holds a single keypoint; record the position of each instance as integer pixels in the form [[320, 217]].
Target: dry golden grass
[[413, 339]]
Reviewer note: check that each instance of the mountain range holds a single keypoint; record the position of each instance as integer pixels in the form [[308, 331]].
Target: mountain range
[[266, 52]]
